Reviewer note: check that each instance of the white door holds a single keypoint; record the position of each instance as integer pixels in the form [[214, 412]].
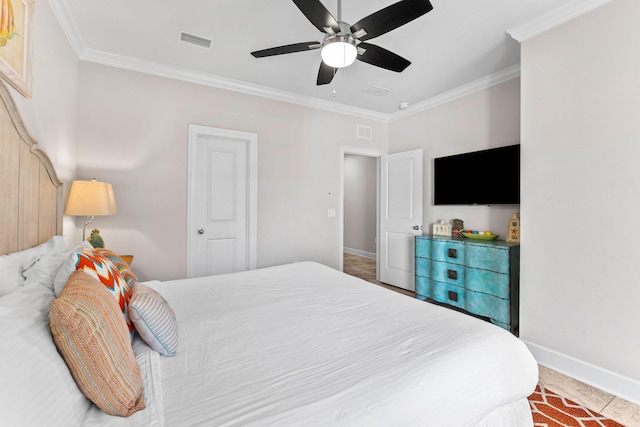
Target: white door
[[222, 190], [400, 217]]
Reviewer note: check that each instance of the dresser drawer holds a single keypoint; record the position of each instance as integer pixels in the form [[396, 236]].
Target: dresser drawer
[[423, 288], [449, 294], [465, 253], [488, 282], [489, 306], [488, 258], [441, 250], [423, 267], [495, 308], [439, 271], [475, 279]]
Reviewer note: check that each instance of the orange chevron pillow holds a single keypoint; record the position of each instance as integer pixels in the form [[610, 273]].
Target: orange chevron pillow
[[93, 340], [100, 268], [123, 268]]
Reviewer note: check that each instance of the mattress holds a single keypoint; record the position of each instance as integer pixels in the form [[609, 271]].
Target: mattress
[[303, 344]]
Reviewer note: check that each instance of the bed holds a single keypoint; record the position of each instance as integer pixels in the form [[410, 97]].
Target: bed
[[292, 345]]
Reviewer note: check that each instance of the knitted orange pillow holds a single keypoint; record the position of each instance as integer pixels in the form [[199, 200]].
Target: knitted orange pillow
[[92, 337]]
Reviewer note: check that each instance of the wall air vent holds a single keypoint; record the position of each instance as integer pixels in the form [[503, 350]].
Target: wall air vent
[[377, 90], [364, 132], [195, 40]]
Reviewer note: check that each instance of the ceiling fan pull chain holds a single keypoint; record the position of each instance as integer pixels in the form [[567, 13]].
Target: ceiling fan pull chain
[[334, 82]]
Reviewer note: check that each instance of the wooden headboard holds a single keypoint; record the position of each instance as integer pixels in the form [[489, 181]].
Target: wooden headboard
[[30, 191]]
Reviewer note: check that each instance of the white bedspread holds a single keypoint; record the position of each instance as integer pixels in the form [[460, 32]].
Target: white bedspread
[[305, 345]]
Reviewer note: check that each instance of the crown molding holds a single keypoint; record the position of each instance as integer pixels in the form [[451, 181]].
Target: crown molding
[[68, 25], [464, 90], [560, 15], [70, 28], [206, 79]]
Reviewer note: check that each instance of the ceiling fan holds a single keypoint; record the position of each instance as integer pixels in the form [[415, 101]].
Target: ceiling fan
[[343, 44]]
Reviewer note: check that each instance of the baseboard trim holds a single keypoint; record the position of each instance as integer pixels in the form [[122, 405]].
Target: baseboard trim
[[358, 252], [595, 376]]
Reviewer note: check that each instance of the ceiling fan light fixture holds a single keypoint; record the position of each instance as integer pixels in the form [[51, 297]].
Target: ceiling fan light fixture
[[343, 43], [339, 51]]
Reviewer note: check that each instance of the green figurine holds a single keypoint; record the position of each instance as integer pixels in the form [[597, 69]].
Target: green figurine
[[95, 239]]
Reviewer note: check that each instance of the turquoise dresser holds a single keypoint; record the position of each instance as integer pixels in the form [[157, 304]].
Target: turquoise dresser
[[477, 276]]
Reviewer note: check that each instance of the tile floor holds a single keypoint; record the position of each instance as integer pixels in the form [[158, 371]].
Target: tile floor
[[606, 404]]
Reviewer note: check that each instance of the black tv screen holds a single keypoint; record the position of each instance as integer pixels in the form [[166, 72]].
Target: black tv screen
[[487, 177]]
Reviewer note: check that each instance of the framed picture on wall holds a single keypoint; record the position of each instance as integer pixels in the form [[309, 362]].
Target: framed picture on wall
[[16, 18]]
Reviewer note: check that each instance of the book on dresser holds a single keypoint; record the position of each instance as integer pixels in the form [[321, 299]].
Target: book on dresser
[[478, 277]]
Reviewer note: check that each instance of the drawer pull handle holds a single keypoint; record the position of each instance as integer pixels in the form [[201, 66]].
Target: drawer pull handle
[[452, 253], [452, 274], [453, 296]]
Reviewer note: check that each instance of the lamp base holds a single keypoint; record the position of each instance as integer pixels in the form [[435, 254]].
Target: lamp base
[[84, 228]]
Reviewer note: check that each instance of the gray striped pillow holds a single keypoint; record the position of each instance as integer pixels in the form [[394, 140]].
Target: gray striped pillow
[[154, 320]]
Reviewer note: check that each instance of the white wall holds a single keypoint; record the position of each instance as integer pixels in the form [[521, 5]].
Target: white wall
[[484, 119], [580, 185], [133, 133], [360, 203], [51, 114]]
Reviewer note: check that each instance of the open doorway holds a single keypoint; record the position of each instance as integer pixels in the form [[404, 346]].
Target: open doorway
[[359, 183], [359, 218], [360, 205], [399, 183]]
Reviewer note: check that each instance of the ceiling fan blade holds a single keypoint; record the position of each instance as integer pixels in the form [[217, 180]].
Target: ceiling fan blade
[[317, 14], [390, 18], [380, 57], [325, 74], [289, 48]]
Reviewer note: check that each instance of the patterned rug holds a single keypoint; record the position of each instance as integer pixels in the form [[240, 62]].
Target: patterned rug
[[552, 410]]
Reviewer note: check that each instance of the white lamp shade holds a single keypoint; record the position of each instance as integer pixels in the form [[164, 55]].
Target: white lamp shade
[[338, 54], [90, 198]]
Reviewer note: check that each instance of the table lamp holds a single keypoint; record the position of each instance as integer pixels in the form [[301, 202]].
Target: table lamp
[[90, 198]]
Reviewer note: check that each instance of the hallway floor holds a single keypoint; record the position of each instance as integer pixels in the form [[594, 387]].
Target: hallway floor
[[365, 268]]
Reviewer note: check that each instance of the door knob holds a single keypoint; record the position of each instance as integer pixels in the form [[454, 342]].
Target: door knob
[[201, 231], [417, 227]]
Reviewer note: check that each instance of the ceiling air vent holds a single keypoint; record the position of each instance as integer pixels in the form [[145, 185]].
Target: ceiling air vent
[[377, 90], [195, 40]]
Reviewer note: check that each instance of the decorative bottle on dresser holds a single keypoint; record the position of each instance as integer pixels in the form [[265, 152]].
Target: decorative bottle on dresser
[[513, 228]]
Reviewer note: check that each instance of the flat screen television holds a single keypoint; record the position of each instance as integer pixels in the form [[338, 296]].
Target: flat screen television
[[487, 177]]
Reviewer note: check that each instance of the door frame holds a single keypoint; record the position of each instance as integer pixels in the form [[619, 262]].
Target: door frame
[[367, 152], [251, 140]]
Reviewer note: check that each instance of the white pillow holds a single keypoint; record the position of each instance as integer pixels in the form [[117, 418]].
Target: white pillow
[[13, 265], [37, 387], [45, 269], [68, 267]]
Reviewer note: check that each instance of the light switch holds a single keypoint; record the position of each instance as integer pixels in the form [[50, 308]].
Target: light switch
[[331, 213]]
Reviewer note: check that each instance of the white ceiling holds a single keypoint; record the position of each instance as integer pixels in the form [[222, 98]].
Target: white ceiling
[[458, 42]]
